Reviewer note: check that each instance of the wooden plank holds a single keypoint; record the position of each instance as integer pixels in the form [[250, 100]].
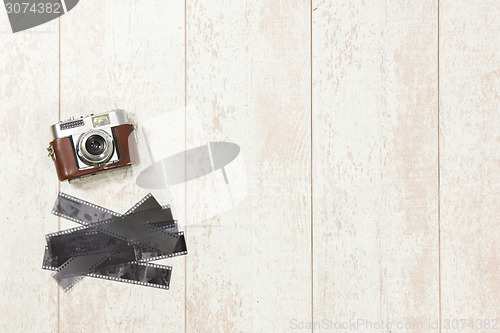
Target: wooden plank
[[28, 86], [375, 163], [248, 82], [130, 55], [470, 176]]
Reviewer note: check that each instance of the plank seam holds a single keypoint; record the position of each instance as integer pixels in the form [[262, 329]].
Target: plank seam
[[438, 168]]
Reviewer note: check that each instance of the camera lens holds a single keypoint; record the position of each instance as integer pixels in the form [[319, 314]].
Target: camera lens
[[95, 145]]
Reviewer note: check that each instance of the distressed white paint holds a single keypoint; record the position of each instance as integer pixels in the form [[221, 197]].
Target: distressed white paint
[[247, 65]]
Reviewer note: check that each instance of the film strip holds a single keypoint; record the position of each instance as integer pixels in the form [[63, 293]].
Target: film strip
[[135, 227], [86, 213], [151, 275], [112, 246], [63, 247], [67, 274]]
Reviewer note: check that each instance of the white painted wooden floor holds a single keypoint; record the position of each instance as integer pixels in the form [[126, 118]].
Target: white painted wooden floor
[[370, 137]]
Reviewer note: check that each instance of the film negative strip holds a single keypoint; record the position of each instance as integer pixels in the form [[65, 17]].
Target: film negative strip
[[63, 247], [77, 207], [129, 229], [86, 213], [82, 211], [67, 274], [82, 265], [157, 276], [113, 246], [90, 241], [136, 228], [90, 264], [77, 210]]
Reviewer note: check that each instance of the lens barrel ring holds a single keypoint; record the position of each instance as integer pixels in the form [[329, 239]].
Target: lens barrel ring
[[95, 147]]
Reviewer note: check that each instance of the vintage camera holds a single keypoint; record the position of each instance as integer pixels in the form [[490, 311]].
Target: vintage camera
[[93, 143]]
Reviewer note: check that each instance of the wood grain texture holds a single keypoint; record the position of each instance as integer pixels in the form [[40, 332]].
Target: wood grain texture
[[248, 78], [130, 55], [359, 137], [375, 162], [28, 87], [470, 160]]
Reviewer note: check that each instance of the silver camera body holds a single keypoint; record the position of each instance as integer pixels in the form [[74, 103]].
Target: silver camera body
[[92, 136]]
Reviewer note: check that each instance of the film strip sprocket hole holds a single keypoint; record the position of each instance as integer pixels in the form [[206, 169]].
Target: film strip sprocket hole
[[113, 246]]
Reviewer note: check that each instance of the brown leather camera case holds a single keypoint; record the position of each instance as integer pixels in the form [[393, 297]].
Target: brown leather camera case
[[67, 167]]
